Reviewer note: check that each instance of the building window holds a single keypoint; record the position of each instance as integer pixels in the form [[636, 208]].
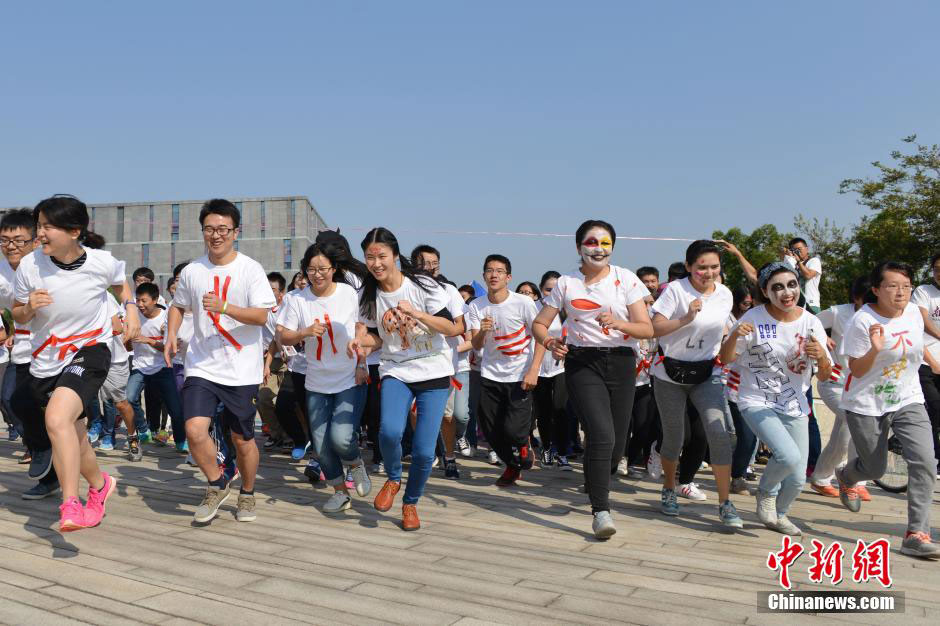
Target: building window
[[120, 224], [292, 218], [262, 218], [172, 256], [150, 226], [288, 261], [238, 205], [236, 245], [92, 225], [145, 254], [175, 224]]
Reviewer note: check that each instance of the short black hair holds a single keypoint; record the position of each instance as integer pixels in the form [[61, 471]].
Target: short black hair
[[19, 218], [702, 246], [547, 276], [532, 286], [170, 282], [797, 240], [179, 268], [878, 274], [468, 288], [859, 288], [277, 277], [589, 224], [647, 270], [148, 289], [933, 259], [146, 272], [677, 270], [422, 249], [499, 259], [220, 206]]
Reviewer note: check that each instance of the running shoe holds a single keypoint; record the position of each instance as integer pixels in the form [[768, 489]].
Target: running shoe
[[71, 516], [526, 458], [750, 474], [377, 468], [669, 503], [144, 436], [133, 450], [182, 447], [436, 462], [785, 526], [270, 442], [636, 472], [493, 458], [825, 489], [40, 463], [692, 492], [26, 458], [299, 452], [848, 494], [654, 465], [361, 480], [767, 509], [313, 472], [96, 500], [464, 447], [729, 515], [162, 437], [94, 433], [920, 545], [622, 468], [547, 457], [450, 469], [190, 460], [209, 507], [12, 433], [563, 463], [863, 492], [339, 501], [41, 490], [106, 443], [245, 511], [229, 470], [509, 477], [739, 486], [603, 525]]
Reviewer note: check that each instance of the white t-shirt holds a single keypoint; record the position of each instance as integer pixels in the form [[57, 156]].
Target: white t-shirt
[[583, 303], [835, 319], [183, 336], [645, 357], [329, 367], [458, 309], [508, 348], [118, 351], [269, 328], [927, 297], [811, 288], [416, 353], [701, 339], [224, 351], [893, 380], [774, 370], [146, 358], [78, 315], [549, 367], [7, 276]]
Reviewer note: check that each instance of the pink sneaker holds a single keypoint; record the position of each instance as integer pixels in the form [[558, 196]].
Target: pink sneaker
[[94, 507], [71, 516]]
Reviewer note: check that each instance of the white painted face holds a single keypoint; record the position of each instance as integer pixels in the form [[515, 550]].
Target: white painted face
[[783, 291], [596, 247]]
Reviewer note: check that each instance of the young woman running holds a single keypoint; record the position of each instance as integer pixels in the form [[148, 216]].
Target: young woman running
[[605, 315], [690, 318], [774, 346], [884, 344], [324, 317], [62, 291], [407, 317]]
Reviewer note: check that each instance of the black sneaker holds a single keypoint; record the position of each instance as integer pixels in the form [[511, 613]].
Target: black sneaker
[[450, 469], [312, 472], [526, 460], [546, 458], [41, 490], [41, 464], [133, 450]]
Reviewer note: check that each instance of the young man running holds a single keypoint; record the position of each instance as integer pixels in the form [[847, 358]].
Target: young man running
[[229, 296]]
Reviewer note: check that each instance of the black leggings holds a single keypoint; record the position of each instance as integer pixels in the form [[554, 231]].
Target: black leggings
[[644, 429], [551, 411], [930, 385], [373, 413], [601, 386], [694, 446], [289, 397]]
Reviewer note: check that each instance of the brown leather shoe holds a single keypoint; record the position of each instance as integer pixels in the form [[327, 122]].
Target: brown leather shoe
[[386, 498], [409, 517]]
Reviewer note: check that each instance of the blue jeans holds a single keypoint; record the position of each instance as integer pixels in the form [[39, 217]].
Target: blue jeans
[[108, 419], [744, 446], [6, 393], [135, 386], [396, 404], [164, 383], [788, 438], [334, 423]]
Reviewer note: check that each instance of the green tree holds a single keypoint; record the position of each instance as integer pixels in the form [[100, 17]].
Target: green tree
[[906, 199], [759, 247]]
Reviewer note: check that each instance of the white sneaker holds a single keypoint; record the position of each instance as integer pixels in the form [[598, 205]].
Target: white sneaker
[[436, 462], [767, 510], [493, 458], [622, 468], [464, 446], [785, 526], [377, 468], [655, 466], [339, 501], [691, 491], [361, 480]]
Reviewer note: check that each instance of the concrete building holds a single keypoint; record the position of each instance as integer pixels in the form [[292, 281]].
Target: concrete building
[[275, 232]]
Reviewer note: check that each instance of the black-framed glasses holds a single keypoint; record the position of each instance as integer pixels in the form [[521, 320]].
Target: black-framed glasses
[[19, 243], [223, 231], [319, 271]]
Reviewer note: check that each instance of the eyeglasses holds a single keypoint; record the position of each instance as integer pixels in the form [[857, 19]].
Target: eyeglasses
[[221, 230], [19, 243], [493, 272], [318, 271], [894, 287]]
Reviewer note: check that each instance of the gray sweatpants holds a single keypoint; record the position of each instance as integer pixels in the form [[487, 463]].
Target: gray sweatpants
[[708, 398], [912, 427]]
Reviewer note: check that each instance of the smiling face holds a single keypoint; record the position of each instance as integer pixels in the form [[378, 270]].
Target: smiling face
[[219, 234], [705, 271], [429, 262], [380, 260], [15, 243], [783, 291], [320, 272], [55, 241], [596, 247]]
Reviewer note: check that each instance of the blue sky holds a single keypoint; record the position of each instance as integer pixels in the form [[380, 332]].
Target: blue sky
[[667, 119]]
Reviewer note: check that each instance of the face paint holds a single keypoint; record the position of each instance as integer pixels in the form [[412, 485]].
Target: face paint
[[596, 247], [783, 291]]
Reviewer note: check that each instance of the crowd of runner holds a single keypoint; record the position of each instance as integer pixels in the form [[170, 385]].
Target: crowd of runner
[[601, 365]]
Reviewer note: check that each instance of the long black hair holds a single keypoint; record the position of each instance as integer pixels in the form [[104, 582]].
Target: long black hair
[[340, 259], [370, 286]]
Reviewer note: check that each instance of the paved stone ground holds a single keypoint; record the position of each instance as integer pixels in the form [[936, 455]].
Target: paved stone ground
[[524, 555]]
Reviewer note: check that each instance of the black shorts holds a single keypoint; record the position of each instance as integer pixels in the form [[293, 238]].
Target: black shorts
[[201, 397], [84, 375]]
